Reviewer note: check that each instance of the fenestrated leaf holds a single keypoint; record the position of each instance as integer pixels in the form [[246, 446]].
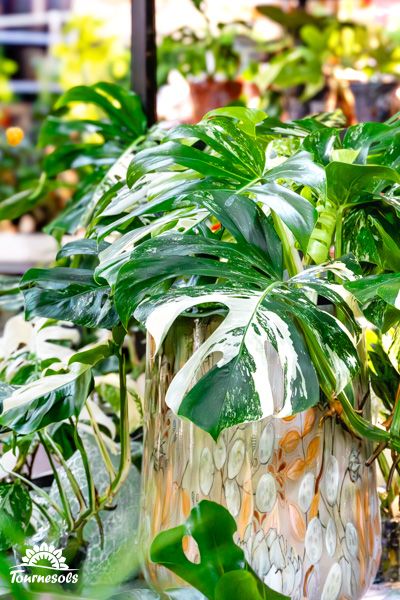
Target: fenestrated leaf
[[264, 367], [50, 399], [172, 153], [243, 152], [321, 144], [76, 156], [244, 220], [363, 135], [127, 114], [116, 255], [69, 295], [372, 234], [184, 256], [212, 527], [246, 118], [56, 129]]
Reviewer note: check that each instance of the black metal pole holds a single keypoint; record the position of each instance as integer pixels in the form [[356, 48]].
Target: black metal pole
[[143, 55]]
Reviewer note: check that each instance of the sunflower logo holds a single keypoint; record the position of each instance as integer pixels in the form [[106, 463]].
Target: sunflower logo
[[46, 556]]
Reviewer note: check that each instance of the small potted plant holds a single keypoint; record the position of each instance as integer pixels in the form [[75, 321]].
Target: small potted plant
[[210, 60], [336, 65]]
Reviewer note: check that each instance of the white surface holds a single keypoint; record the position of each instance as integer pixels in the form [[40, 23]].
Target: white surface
[[19, 251]]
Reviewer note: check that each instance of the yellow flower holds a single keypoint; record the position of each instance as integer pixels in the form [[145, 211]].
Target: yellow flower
[[14, 135]]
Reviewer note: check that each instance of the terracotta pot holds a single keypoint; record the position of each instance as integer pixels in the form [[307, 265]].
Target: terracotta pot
[[306, 506], [209, 94]]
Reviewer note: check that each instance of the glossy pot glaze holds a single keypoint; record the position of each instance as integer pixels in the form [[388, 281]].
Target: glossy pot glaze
[[305, 504]]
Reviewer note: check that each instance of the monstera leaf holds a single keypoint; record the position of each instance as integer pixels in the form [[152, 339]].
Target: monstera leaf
[[222, 572], [15, 514], [69, 295], [50, 399], [385, 286], [264, 367], [264, 343]]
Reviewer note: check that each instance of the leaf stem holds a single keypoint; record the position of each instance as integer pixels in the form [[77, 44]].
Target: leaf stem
[[46, 515], [101, 445], [125, 459], [292, 266], [61, 491], [338, 233], [86, 467], [71, 477]]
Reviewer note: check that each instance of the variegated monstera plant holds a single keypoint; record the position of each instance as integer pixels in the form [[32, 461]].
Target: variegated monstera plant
[[262, 222], [288, 232]]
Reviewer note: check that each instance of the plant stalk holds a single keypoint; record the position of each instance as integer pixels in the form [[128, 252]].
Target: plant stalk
[[125, 459], [61, 491], [100, 443], [86, 467], [71, 477]]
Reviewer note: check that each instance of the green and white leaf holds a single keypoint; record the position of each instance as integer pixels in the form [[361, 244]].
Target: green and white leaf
[[50, 399], [264, 368]]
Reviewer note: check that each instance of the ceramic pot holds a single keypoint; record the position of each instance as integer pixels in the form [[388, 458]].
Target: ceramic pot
[[306, 506]]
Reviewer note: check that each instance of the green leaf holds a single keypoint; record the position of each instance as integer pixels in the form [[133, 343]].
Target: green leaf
[[122, 106], [212, 527], [172, 153], [183, 256], [247, 118], [91, 355], [19, 203], [364, 135], [15, 514], [236, 585], [345, 182], [85, 247], [372, 234], [244, 153], [68, 295], [296, 212], [264, 366], [119, 253], [385, 286], [293, 20], [50, 399], [246, 222], [299, 168]]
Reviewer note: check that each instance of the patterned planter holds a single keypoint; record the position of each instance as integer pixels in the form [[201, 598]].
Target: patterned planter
[[305, 504]]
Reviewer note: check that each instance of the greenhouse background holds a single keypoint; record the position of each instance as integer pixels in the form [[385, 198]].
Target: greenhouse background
[[199, 299]]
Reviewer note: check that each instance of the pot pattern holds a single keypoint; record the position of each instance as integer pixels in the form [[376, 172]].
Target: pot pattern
[[304, 502]]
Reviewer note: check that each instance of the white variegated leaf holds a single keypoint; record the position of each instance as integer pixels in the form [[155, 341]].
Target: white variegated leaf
[[263, 367], [114, 256], [36, 337]]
